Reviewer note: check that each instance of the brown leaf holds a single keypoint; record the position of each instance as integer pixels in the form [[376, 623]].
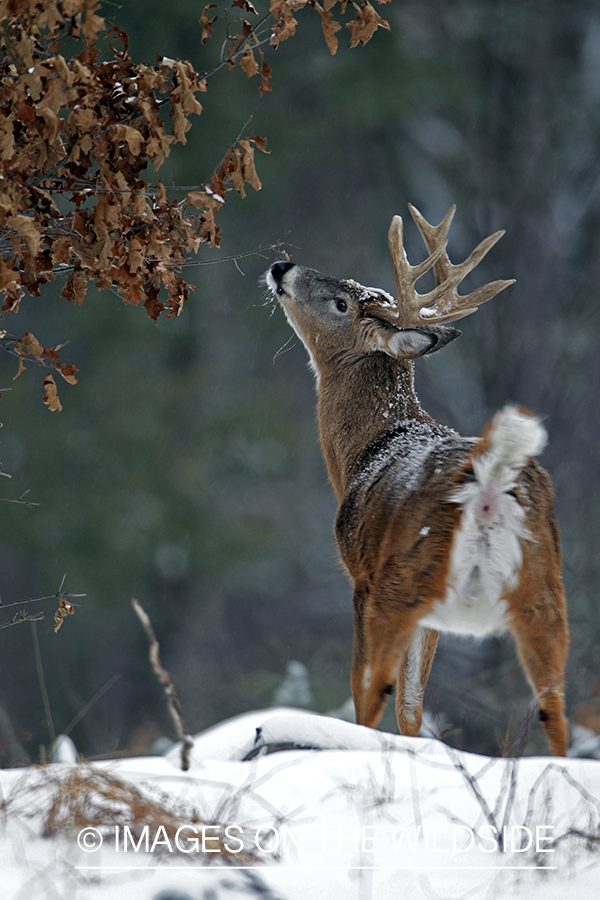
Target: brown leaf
[[21, 368], [80, 286], [245, 5], [92, 23], [260, 142], [285, 26], [29, 230], [248, 169], [265, 74], [7, 142], [73, 8], [236, 172], [330, 27], [198, 199], [153, 305], [30, 344], [8, 275], [133, 138], [13, 296], [140, 208], [248, 63], [207, 24], [366, 23], [67, 372], [82, 119], [65, 608], [135, 255], [51, 396], [208, 230], [181, 123], [177, 300]]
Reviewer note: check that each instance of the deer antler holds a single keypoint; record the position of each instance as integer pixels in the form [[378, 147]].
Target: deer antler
[[443, 303]]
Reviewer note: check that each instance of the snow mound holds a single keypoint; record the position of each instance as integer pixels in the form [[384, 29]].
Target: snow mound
[[287, 805]]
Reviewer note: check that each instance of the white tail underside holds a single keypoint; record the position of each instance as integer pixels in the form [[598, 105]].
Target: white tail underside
[[486, 554]]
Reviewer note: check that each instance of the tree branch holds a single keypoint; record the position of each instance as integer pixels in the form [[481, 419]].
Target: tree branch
[[169, 689]]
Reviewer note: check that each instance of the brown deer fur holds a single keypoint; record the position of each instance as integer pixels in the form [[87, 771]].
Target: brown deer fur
[[437, 531]]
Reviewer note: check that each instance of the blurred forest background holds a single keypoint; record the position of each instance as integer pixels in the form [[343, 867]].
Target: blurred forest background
[[184, 468]]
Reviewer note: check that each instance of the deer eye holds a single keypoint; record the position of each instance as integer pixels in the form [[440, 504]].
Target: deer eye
[[341, 305]]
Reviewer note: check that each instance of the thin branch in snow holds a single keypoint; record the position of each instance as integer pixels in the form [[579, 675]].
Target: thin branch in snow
[[165, 679]]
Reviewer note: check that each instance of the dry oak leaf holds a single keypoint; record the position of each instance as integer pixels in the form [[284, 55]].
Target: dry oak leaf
[[196, 198], [265, 74], [64, 609], [50, 18], [67, 372], [21, 368], [248, 63], [51, 396], [245, 5], [133, 138], [207, 24], [75, 288], [330, 26], [28, 230], [153, 305], [7, 142], [286, 23], [73, 8], [364, 26], [135, 255], [30, 344], [248, 169], [8, 275], [92, 23]]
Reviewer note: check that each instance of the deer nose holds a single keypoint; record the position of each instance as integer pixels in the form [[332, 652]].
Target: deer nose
[[279, 269]]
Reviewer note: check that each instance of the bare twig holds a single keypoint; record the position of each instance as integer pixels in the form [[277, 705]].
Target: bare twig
[[42, 681], [66, 731], [21, 617], [168, 687], [28, 503], [58, 595], [245, 43]]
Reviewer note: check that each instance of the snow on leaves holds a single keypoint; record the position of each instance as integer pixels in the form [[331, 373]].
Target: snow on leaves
[[77, 134]]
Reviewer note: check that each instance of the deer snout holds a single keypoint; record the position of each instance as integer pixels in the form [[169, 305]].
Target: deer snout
[[279, 269], [275, 277]]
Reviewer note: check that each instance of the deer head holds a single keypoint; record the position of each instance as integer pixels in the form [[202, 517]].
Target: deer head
[[334, 317]]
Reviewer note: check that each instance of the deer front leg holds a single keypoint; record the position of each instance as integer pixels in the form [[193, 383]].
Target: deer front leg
[[382, 637], [360, 669], [412, 680], [542, 641]]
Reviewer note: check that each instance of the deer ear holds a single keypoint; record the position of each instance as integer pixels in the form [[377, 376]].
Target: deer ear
[[409, 343]]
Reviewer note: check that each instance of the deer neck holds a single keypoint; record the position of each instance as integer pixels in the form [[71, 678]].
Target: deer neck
[[360, 399]]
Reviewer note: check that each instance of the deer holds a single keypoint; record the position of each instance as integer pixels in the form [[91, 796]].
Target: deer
[[438, 532]]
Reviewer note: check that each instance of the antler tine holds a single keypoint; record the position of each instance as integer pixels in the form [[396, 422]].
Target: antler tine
[[432, 235], [443, 303], [408, 300]]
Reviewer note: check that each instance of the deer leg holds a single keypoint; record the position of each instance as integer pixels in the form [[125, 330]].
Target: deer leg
[[542, 643], [359, 655], [381, 640], [412, 679]]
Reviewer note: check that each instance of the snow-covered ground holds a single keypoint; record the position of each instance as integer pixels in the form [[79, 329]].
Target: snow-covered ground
[[295, 806]]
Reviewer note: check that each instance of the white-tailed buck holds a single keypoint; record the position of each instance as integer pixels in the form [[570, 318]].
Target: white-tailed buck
[[439, 532]]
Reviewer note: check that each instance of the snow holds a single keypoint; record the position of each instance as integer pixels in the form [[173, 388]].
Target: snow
[[354, 814]]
